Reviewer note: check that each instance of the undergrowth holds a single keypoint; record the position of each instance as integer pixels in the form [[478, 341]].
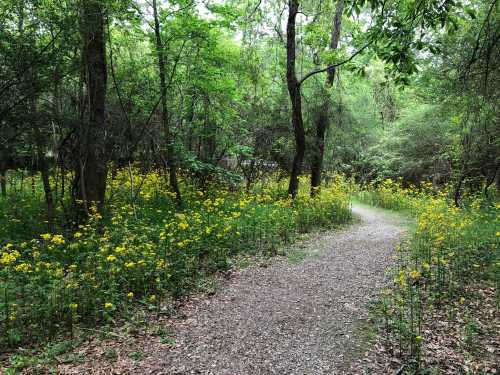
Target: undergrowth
[[142, 252], [450, 249]]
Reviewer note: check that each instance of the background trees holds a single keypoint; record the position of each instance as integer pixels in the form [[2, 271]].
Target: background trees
[[203, 89]]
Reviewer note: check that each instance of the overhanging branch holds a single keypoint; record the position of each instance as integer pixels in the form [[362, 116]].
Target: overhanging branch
[[318, 71]]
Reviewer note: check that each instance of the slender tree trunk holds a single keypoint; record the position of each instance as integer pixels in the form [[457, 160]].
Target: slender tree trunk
[[189, 120], [335, 37], [295, 98], [323, 118], [322, 121], [41, 161], [91, 173], [37, 138], [3, 182], [45, 173], [171, 163], [208, 135], [458, 190]]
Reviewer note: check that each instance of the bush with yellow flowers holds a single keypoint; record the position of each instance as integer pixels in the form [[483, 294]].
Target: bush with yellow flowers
[[450, 248], [393, 195], [145, 248]]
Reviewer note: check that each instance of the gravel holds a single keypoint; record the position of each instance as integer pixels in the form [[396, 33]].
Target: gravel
[[288, 317]]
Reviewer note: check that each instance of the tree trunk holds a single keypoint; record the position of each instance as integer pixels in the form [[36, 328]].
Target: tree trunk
[[171, 163], [3, 182], [295, 98], [322, 122], [44, 171], [91, 173], [323, 118], [41, 162], [458, 190], [334, 41]]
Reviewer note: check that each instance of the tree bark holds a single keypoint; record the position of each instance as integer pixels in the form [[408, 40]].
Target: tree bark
[[3, 182], [171, 163], [322, 122], [91, 173], [295, 98], [45, 173], [41, 161], [335, 37], [323, 118]]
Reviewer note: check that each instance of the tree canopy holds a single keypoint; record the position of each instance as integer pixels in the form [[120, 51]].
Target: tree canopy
[[226, 90]]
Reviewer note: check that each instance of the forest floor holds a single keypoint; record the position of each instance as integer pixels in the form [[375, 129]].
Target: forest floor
[[305, 313]]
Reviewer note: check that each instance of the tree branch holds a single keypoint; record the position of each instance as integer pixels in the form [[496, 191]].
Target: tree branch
[[314, 72]]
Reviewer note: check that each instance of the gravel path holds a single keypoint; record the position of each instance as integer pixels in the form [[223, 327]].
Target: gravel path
[[290, 318]]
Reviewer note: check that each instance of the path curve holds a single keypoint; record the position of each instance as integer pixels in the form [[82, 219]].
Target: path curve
[[291, 318]]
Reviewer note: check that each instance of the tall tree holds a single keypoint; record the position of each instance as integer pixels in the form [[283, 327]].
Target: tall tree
[[92, 166], [295, 97], [172, 167], [323, 118]]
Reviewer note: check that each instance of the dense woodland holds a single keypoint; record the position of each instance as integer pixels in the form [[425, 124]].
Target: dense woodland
[[174, 134], [409, 90]]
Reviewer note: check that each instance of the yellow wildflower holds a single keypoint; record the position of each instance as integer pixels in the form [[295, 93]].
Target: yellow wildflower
[[414, 274], [58, 239], [46, 236], [23, 267], [119, 249], [8, 258]]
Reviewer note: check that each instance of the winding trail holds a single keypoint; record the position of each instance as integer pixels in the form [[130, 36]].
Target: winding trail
[[290, 317]]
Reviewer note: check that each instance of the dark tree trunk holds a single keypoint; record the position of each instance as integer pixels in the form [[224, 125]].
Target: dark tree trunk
[[189, 120], [91, 172], [171, 163], [44, 171], [3, 182], [208, 136], [322, 122], [323, 118], [458, 190], [335, 37], [295, 98], [43, 166]]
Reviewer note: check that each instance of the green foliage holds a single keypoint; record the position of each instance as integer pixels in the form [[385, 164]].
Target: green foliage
[[145, 250], [450, 249], [413, 108]]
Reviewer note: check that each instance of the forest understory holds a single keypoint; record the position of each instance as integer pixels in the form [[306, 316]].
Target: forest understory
[[161, 161]]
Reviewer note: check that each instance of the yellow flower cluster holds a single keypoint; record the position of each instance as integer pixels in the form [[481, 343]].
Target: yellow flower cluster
[[146, 246], [450, 247]]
